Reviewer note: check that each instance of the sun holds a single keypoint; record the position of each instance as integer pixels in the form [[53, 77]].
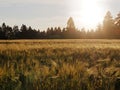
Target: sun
[[89, 13]]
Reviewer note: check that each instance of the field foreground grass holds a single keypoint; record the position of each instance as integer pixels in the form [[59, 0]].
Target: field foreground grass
[[72, 64]]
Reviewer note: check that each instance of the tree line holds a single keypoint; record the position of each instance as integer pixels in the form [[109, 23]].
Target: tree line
[[110, 28]]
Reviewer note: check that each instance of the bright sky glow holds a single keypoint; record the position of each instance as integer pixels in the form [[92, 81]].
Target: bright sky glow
[[41, 14]]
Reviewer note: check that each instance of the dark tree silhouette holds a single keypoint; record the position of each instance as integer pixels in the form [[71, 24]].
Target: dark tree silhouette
[[23, 32], [16, 32], [9, 34], [109, 29]]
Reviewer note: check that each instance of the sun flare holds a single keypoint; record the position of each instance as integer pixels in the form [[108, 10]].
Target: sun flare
[[87, 12]]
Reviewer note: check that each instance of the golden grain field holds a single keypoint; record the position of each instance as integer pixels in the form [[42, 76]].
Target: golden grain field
[[66, 64]]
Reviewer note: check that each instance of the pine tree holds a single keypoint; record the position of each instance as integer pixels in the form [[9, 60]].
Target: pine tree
[[108, 23], [70, 24], [117, 21]]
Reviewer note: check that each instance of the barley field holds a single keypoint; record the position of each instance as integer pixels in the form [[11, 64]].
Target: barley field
[[67, 64]]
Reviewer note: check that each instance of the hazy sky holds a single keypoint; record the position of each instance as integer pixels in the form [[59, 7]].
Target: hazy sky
[[41, 14]]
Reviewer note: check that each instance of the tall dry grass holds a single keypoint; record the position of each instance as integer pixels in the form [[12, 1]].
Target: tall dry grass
[[60, 64]]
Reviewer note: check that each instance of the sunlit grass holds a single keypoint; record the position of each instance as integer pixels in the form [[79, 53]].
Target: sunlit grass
[[59, 64]]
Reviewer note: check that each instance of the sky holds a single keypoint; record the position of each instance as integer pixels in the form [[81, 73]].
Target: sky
[[41, 14]]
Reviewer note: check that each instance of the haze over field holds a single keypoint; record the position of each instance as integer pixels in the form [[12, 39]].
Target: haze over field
[[49, 13]]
